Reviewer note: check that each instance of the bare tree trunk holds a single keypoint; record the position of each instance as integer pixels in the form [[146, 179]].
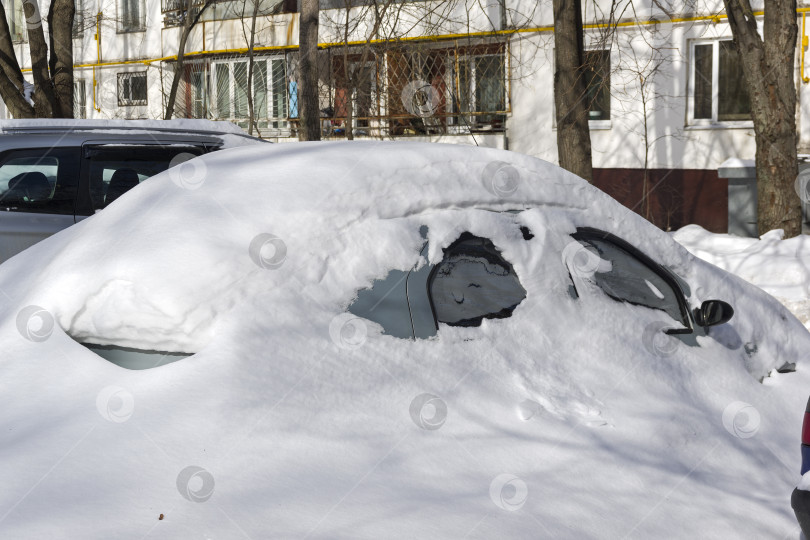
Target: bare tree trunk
[[14, 99], [52, 70], [310, 123], [60, 23], [12, 87], [349, 128], [8, 58], [646, 191], [44, 99], [348, 124], [768, 69], [252, 121], [573, 134]]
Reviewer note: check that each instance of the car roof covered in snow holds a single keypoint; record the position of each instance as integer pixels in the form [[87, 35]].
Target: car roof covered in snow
[[395, 179]]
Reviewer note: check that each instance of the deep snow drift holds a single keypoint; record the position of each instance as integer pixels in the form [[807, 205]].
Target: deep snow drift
[[780, 267], [569, 419]]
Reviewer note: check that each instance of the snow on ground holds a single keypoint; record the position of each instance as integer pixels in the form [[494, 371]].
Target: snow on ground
[[573, 418], [780, 267]]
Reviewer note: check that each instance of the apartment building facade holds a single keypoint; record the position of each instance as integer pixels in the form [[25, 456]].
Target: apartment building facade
[[667, 99]]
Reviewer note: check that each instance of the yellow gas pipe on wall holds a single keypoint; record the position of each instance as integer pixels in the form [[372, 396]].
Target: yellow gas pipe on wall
[[98, 59], [805, 80]]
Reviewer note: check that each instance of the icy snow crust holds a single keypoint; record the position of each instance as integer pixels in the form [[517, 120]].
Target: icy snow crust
[[601, 430]]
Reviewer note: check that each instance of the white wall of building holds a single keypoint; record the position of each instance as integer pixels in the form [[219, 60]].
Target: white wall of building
[[675, 142]]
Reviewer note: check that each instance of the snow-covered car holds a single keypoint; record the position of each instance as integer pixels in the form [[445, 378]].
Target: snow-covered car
[[54, 173], [387, 340]]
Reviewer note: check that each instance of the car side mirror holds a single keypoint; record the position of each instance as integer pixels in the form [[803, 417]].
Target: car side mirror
[[713, 312]]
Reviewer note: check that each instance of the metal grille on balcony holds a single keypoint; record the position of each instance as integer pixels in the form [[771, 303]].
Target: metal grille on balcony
[[413, 89], [174, 10], [223, 9]]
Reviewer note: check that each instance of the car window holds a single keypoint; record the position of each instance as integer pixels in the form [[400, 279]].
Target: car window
[[39, 180], [115, 169], [386, 303], [627, 278], [473, 282]]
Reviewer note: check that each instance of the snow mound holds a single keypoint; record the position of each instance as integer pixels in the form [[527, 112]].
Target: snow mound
[[779, 267]]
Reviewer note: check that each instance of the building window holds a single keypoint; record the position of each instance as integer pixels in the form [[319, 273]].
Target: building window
[[132, 88], [79, 99], [718, 92], [196, 91], [481, 89], [78, 19], [432, 89], [227, 9], [269, 92], [597, 81], [131, 16], [16, 20]]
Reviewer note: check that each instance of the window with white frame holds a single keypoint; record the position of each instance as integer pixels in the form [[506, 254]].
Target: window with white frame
[[229, 90], [132, 88], [481, 88], [131, 16], [78, 19], [79, 99], [717, 89]]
